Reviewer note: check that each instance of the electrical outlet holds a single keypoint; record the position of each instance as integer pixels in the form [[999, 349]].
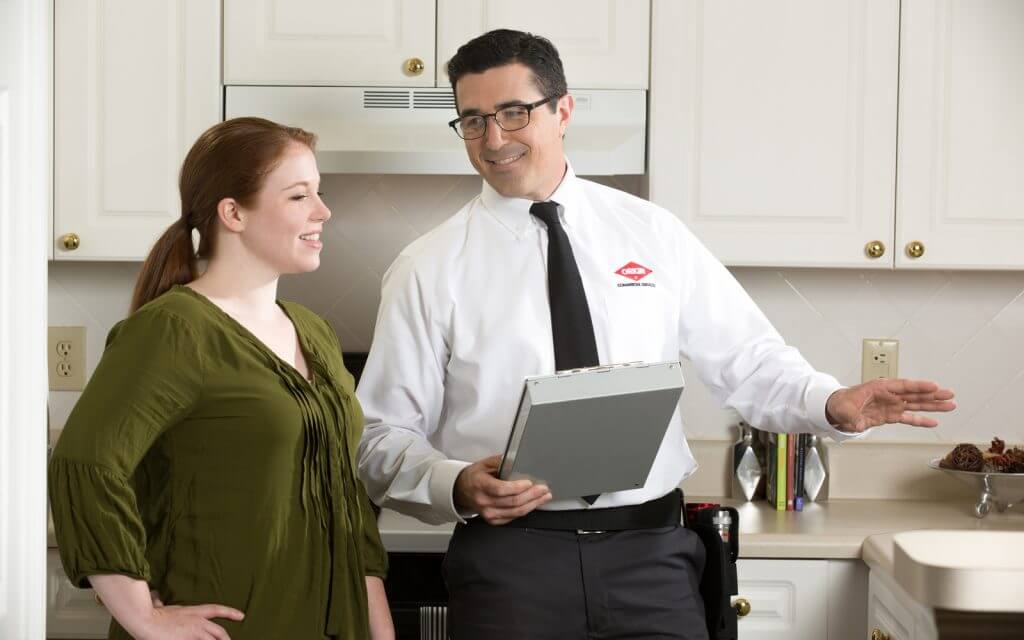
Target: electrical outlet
[[880, 359], [66, 358]]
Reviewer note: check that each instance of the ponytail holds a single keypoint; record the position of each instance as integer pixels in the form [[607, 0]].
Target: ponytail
[[171, 261]]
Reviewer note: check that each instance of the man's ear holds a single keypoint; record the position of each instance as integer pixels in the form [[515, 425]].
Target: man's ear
[[566, 105], [231, 215]]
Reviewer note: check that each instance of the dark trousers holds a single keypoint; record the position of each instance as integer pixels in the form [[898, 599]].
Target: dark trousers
[[510, 583]]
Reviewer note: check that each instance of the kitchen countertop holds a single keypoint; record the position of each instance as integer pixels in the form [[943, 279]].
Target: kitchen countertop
[[832, 529]]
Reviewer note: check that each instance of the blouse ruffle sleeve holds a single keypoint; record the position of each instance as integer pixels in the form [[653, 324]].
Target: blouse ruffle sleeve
[[148, 379]]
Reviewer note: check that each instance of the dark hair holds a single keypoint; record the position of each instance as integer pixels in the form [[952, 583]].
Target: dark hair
[[504, 46], [229, 160]]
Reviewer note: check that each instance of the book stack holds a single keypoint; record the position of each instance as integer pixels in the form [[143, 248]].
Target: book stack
[[785, 457]]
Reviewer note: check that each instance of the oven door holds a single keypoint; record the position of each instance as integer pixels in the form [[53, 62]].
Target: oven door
[[417, 596]]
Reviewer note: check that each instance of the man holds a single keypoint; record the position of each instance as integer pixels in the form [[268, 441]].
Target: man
[[522, 281]]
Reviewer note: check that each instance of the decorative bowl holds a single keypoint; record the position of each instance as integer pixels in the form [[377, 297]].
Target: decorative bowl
[[1002, 490]]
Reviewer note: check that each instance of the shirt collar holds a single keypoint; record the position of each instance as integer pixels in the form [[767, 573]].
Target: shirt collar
[[514, 213]]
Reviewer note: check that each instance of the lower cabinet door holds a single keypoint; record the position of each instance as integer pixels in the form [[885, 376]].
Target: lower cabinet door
[[894, 615], [788, 599], [71, 612]]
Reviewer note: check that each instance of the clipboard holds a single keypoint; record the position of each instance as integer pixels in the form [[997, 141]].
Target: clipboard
[[594, 430]]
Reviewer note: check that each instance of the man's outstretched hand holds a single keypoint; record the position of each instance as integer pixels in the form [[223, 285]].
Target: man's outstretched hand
[[886, 401]]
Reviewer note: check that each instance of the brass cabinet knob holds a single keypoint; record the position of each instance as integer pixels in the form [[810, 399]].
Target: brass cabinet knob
[[878, 634], [915, 249], [414, 66], [742, 606], [70, 241], [874, 249]]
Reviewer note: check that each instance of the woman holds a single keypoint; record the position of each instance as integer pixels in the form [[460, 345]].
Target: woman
[[211, 456]]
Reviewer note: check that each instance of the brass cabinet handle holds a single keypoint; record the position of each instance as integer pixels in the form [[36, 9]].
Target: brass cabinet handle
[[742, 607], [878, 634], [414, 66], [874, 249], [915, 249], [70, 241]]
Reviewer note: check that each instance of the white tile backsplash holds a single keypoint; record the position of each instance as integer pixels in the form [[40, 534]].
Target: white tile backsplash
[[964, 329]]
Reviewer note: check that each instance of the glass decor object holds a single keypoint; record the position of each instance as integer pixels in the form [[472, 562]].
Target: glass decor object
[[746, 469], [815, 471]]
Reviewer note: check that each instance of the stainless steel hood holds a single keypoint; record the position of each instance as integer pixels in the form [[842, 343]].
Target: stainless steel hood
[[397, 130]]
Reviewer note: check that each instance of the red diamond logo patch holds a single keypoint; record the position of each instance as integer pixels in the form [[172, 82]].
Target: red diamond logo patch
[[634, 271]]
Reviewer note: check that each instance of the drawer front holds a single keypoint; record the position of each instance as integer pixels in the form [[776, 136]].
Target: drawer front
[[788, 598]]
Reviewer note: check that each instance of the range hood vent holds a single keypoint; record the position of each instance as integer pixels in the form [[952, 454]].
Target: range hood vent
[[378, 99], [405, 130], [402, 99]]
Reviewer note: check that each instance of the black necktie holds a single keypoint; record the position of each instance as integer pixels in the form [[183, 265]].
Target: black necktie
[[571, 327]]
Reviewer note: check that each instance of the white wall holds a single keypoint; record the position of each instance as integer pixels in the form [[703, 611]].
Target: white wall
[[965, 329]]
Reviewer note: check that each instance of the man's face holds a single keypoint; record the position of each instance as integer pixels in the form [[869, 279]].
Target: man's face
[[527, 163]]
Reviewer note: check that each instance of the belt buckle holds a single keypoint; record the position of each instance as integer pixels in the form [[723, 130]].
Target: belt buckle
[[584, 532]]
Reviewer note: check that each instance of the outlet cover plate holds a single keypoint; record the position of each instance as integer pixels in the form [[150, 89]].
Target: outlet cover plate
[[65, 358], [880, 359]]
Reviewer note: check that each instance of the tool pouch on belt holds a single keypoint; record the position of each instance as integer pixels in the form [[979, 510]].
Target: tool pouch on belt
[[718, 582]]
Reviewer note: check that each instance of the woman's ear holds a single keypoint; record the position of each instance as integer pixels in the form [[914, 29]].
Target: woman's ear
[[231, 215]]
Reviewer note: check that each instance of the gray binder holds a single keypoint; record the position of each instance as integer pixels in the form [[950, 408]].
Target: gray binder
[[594, 430]]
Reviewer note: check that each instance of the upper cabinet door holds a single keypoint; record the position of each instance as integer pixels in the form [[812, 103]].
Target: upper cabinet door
[[773, 127], [961, 166], [135, 83], [329, 42], [604, 44]]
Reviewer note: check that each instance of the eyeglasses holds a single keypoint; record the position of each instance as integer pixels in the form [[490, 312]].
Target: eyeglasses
[[509, 119]]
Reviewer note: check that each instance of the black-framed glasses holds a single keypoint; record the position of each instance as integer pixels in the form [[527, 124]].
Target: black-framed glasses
[[510, 118]]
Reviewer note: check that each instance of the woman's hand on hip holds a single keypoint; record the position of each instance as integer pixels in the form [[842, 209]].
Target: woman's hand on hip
[[187, 623]]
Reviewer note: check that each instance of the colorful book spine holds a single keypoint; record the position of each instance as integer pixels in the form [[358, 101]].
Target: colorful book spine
[[801, 456], [780, 473], [790, 469]]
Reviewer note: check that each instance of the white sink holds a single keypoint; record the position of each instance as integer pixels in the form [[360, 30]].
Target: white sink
[[962, 570]]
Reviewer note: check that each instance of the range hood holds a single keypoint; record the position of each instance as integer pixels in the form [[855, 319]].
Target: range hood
[[397, 130]]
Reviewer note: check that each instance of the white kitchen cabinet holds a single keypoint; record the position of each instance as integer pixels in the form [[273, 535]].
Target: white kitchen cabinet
[[894, 615], [71, 612], [774, 130], [822, 599], [959, 187], [788, 598], [773, 127], [327, 42], [603, 44], [135, 83]]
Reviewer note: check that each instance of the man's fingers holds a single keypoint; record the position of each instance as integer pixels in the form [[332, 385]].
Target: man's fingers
[[941, 394], [510, 502], [918, 421], [499, 516], [495, 488], [930, 406]]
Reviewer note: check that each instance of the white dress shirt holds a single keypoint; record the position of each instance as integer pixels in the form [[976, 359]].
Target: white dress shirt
[[464, 317]]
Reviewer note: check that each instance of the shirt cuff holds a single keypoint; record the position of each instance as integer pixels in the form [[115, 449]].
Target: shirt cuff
[[442, 488], [818, 392]]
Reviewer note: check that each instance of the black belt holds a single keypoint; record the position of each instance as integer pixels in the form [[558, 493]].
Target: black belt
[[661, 512]]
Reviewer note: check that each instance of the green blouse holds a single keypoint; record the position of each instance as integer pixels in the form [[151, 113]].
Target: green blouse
[[202, 463]]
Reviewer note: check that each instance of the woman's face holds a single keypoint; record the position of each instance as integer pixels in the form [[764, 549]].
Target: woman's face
[[283, 229]]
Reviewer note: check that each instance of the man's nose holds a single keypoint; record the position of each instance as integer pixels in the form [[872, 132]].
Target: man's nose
[[494, 135]]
